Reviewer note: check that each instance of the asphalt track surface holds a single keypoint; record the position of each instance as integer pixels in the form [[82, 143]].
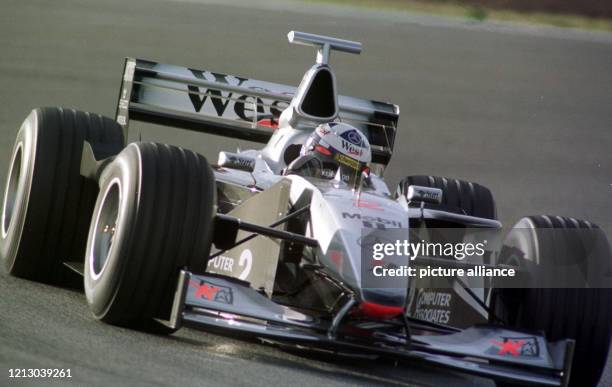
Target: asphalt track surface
[[525, 111]]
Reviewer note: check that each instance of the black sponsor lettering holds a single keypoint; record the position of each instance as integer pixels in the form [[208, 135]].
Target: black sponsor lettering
[[241, 107], [277, 108], [216, 97], [243, 104]]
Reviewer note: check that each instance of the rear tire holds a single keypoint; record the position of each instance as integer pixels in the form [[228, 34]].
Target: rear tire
[[154, 216], [582, 314], [459, 196], [47, 203]]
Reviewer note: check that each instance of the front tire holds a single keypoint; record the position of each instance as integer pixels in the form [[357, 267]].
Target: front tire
[[154, 216], [582, 314], [47, 203], [458, 196]]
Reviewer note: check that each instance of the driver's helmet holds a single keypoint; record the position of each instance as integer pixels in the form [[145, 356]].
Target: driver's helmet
[[341, 148]]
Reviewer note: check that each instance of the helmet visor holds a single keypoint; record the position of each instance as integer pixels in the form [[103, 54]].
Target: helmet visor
[[336, 163]]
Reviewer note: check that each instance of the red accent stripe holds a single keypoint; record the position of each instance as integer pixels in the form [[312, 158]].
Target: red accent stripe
[[383, 312], [269, 123], [323, 150]]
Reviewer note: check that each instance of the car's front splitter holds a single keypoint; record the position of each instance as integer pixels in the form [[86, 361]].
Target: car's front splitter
[[215, 303]]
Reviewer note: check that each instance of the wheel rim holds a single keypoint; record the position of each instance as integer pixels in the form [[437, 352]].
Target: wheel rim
[[12, 188], [105, 228]]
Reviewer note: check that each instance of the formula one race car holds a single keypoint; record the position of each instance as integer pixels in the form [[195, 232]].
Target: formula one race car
[[270, 242]]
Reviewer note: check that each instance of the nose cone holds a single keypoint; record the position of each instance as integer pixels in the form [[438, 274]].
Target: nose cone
[[350, 262], [340, 224]]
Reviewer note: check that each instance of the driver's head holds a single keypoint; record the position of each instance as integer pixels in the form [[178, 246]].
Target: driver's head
[[339, 147]]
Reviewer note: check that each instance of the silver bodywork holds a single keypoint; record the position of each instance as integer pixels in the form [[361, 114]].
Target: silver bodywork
[[282, 117], [253, 186]]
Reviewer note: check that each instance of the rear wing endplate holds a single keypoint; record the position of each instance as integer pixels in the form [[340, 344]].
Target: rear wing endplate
[[233, 106]]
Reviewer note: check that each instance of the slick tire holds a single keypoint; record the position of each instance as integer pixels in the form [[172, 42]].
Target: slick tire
[[153, 217], [584, 315], [457, 195], [47, 204]]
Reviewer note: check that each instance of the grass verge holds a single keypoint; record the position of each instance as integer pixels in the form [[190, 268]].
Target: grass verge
[[476, 14]]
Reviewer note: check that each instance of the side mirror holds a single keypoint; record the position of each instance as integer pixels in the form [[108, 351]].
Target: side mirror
[[417, 193], [236, 161]]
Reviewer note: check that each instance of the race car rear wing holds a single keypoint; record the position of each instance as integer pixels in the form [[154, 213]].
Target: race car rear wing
[[232, 106]]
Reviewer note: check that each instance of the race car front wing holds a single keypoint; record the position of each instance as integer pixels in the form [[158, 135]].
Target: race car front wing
[[221, 304]]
